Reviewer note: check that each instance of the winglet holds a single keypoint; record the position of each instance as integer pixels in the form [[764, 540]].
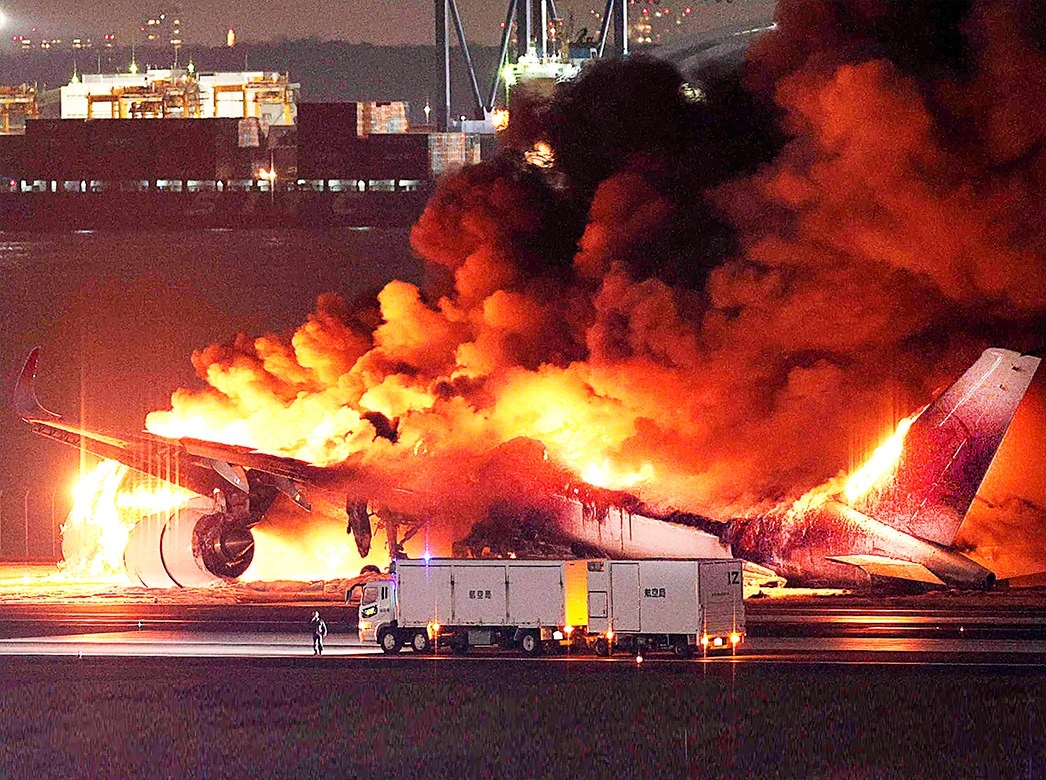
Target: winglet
[[23, 400]]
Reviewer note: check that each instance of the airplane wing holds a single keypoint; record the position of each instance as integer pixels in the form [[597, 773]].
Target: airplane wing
[[950, 446], [200, 466], [881, 566]]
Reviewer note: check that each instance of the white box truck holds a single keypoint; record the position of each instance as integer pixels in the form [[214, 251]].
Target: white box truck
[[677, 605], [633, 606], [467, 603]]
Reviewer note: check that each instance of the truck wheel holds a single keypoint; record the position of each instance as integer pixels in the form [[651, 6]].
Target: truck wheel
[[389, 641], [420, 642], [602, 647], [530, 643], [682, 649]]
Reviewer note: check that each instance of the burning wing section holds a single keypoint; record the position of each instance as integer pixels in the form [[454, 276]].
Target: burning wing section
[[950, 446], [207, 541]]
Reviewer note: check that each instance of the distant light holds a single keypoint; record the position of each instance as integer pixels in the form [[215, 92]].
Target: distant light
[[230, 38], [691, 93], [427, 556], [3, 19], [499, 119], [541, 155]]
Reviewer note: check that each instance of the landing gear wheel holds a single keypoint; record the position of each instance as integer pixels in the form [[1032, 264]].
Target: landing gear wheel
[[602, 647], [420, 642], [682, 649], [530, 643], [389, 641]]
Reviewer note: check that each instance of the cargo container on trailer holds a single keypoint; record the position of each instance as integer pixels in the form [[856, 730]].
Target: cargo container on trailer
[[633, 606], [678, 605], [466, 603]]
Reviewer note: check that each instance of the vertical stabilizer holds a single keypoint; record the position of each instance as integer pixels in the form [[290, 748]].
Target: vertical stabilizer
[[950, 446]]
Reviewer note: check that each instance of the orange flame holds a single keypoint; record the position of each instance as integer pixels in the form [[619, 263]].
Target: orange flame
[[104, 512], [106, 508], [870, 475], [880, 465], [320, 552]]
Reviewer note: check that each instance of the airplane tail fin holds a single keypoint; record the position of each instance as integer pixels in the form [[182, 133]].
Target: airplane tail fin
[[950, 446], [23, 400]]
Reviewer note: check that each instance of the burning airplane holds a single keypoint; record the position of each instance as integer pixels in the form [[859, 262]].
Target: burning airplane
[[699, 310], [894, 518]]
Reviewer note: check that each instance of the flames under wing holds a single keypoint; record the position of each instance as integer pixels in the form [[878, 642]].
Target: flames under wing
[[950, 446]]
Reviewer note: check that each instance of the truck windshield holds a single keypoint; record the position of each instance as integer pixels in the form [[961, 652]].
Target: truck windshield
[[370, 594]]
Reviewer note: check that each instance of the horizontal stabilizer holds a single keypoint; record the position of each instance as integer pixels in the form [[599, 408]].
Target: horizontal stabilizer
[[880, 566], [761, 576]]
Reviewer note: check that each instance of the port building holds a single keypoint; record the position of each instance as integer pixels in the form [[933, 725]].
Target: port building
[[182, 93]]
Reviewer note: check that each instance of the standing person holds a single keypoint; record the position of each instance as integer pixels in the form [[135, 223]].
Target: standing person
[[319, 630]]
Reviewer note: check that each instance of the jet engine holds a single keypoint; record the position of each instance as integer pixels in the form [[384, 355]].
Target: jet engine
[[195, 546]]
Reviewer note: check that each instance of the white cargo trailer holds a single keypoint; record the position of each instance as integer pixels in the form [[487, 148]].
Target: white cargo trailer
[[466, 603], [680, 605], [633, 606]]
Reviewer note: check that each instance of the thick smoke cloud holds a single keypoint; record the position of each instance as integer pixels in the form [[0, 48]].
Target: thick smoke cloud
[[716, 298]]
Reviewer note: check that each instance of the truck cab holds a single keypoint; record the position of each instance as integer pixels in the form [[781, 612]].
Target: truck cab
[[377, 608]]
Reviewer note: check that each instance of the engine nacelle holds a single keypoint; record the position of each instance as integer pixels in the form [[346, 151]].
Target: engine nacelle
[[194, 547]]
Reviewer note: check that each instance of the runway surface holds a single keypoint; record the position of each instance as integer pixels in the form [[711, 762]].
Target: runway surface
[[504, 717], [780, 633], [832, 691]]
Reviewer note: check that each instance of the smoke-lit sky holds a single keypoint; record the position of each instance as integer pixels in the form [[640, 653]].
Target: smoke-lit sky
[[380, 22]]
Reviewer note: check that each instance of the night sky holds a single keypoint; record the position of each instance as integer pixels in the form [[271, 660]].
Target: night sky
[[382, 22]]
